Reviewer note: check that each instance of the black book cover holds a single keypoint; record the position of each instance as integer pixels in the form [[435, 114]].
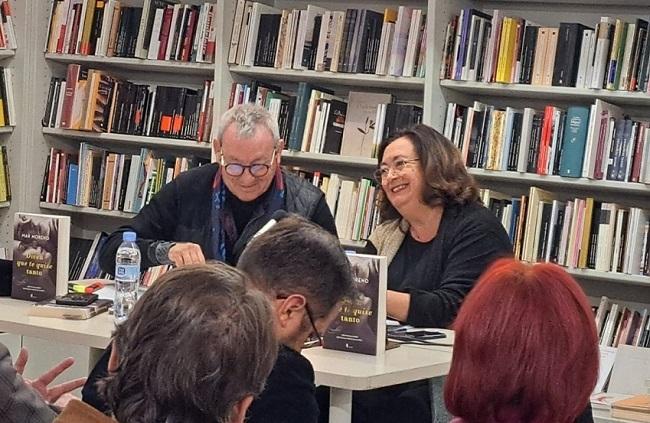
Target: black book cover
[[593, 234], [364, 37], [46, 177], [55, 104], [528, 54], [79, 249], [567, 57], [482, 141], [344, 57], [487, 31], [310, 59], [335, 125], [45, 122], [559, 222], [544, 231], [122, 33], [267, 39], [533, 146], [96, 29], [513, 157], [40, 256], [133, 29], [640, 39], [560, 144], [474, 136], [644, 58], [360, 326]]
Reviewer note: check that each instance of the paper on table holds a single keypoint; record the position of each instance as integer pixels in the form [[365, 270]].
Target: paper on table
[[630, 371]]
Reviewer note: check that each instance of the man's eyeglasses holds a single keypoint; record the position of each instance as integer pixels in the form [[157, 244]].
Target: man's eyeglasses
[[315, 339], [398, 166], [256, 169]]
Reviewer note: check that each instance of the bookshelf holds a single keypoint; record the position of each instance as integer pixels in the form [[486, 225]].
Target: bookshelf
[[91, 211], [134, 64], [431, 93], [134, 141], [330, 78], [618, 286], [5, 204]]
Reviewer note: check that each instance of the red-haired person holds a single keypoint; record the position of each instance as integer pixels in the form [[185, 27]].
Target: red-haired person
[[526, 348]]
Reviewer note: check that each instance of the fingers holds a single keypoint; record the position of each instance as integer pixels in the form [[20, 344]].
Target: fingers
[[186, 253], [47, 377], [21, 361], [55, 392]]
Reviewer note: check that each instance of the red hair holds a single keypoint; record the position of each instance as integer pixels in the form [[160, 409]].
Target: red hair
[[526, 347]]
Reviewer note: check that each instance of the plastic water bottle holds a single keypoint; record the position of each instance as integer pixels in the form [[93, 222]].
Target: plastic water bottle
[[127, 276]]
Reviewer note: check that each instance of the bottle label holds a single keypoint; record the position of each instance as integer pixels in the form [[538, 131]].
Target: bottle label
[[127, 271]]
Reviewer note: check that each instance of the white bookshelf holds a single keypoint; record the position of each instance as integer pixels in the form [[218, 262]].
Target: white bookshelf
[[134, 64], [363, 163], [6, 129], [5, 204], [547, 93], [614, 277], [129, 140], [86, 210], [556, 181], [330, 78], [6, 53]]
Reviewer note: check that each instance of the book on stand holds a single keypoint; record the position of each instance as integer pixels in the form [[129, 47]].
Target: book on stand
[[40, 256], [360, 326]]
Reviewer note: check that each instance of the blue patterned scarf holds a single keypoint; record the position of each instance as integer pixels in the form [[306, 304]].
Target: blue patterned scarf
[[224, 230]]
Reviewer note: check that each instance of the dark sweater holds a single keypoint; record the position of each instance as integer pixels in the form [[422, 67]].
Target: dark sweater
[[438, 274], [180, 212], [289, 393]]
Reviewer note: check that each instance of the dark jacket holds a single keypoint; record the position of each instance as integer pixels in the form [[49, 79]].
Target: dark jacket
[[19, 403], [289, 395], [181, 210]]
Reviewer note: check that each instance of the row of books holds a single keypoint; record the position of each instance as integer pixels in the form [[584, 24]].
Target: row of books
[[98, 178], [352, 202], [160, 30], [5, 180], [93, 100], [354, 41], [509, 49], [7, 30], [84, 261], [576, 233], [317, 121], [618, 324], [597, 143]]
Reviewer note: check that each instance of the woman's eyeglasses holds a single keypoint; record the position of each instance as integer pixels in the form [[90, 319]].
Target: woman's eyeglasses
[[256, 169], [398, 166]]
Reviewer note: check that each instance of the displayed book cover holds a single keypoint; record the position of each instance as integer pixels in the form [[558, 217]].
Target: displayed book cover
[[360, 326], [359, 130], [40, 256], [49, 308]]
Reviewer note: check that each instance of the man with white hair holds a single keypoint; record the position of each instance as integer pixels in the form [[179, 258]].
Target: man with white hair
[[211, 212]]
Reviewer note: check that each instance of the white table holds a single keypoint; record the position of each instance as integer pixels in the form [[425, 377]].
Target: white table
[[343, 372]]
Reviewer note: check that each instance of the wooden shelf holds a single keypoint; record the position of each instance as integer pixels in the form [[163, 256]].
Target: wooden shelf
[[86, 210], [540, 92], [166, 66], [331, 78], [589, 274], [585, 184], [4, 204], [295, 157], [133, 140]]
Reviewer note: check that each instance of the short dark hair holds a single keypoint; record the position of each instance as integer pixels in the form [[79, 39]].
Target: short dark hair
[[298, 257], [446, 179], [196, 343]]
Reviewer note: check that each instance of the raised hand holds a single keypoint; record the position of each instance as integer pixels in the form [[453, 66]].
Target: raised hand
[[58, 394], [186, 253]]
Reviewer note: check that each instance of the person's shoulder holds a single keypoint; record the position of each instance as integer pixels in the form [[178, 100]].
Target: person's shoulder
[[474, 215], [200, 173], [301, 183], [290, 362]]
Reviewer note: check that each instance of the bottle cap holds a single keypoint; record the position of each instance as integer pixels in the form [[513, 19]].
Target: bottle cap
[[129, 236]]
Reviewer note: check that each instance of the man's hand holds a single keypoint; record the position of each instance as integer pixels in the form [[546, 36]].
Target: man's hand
[[59, 394], [186, 253]]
